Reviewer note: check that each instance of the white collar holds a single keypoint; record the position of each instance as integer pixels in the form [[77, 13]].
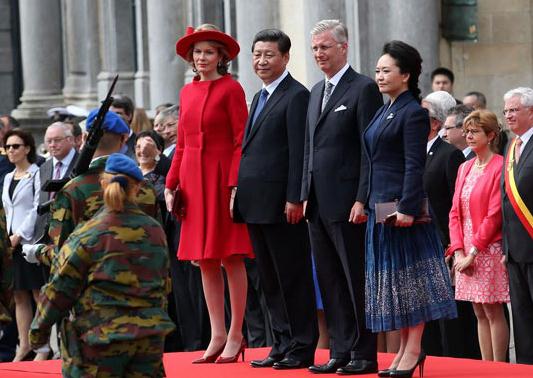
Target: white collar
[[430, 143], [66, 160], [337, 77], [270, 88], [525, 137], [467, 151]]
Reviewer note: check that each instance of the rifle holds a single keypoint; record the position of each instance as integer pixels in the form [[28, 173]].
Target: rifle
[[86, 154]]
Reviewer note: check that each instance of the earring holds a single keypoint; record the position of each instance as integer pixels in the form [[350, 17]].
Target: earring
[[194, 70], [220, 64]]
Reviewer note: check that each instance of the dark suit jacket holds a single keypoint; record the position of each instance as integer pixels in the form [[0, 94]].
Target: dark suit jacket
[[442, 163], [397, 155], [270, 172], [5, 168], [516, 240], [46, 172], [333, 157]]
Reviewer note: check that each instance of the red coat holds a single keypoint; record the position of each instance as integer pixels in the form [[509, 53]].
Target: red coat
[[205, 165], [485, 206]]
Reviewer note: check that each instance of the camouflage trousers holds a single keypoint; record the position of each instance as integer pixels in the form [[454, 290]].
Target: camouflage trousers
[[132, 358]]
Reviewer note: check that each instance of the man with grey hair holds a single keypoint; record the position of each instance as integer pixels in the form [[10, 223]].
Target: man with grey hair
[[335, 191], [453, 129], [59, 141], [442, 163], [166, 125], [517, 207], [476, 100]]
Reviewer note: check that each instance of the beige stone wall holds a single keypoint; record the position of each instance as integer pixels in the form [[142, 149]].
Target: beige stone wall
[[502, 57]]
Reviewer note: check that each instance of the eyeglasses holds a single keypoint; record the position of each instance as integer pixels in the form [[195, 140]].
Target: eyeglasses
[[54, 140], [511, 111], [471, 131], [14, 146]]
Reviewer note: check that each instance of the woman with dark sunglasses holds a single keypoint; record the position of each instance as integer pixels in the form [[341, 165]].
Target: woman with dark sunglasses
[[20, 197]]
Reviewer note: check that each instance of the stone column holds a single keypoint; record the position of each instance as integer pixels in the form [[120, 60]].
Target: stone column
[[404, 15], [167, 20], [80, 41], [142, 76], [40, 34], [252, 16], [117, 46]]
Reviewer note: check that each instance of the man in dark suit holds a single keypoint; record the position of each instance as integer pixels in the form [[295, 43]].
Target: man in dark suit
[[340, 107], [268, 200], [453, 129], [124, 107], [517, 207], [442, 162], [6, 123], [455, 337]]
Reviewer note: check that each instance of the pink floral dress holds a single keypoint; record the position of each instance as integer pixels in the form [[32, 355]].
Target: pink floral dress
[[489, 282]]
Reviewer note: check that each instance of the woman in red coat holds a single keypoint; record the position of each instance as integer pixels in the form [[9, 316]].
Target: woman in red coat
[[210, 130], [476, 235]]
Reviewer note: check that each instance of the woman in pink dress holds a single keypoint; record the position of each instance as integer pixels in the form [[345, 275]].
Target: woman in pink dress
[[205, 165], [476, 235]]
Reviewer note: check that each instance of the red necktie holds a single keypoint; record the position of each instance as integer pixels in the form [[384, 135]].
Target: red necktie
[[517, 145]]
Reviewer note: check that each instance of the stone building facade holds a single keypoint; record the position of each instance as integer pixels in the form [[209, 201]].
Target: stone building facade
[[62, 52]]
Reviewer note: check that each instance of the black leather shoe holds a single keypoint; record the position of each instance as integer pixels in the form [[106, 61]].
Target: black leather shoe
[[355, 367], [329, 367], [267, 362], [291, 363]]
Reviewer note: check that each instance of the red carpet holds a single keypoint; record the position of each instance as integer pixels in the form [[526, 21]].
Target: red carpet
[[179, 365]]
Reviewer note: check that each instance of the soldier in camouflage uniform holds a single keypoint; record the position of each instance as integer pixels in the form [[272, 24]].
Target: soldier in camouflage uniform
[[113, 277], [82, 197]]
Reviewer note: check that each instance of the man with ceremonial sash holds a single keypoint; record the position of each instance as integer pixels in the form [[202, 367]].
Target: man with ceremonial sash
[[517, 208]]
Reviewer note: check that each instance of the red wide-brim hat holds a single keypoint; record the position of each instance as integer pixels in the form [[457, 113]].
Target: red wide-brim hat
[[191, 37]]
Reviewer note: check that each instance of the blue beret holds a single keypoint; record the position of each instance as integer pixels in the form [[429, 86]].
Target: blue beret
[[120, 163], [113, 123]]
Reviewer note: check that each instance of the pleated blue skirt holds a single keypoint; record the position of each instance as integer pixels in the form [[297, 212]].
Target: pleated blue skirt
[[407, 282]]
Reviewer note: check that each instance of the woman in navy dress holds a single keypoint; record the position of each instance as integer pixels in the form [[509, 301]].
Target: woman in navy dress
[[407, 283]]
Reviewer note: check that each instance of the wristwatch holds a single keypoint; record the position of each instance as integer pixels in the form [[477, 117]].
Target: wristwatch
[[473, 251]]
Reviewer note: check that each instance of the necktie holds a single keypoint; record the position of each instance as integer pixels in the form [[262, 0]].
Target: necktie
[[327, 94], [260, 104], [57, 173], [517, 145]]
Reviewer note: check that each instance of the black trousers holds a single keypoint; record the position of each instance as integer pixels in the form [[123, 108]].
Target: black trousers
[[284, 264], [339, 251], [521, 290]]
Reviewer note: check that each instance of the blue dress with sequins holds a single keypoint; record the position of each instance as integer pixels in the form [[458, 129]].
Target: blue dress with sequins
[[407, 282]]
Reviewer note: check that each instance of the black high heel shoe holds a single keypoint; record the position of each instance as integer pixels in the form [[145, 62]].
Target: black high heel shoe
[[385, 373], [409, 373]]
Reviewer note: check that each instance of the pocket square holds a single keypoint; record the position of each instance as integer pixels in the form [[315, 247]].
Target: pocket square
[[340, 108]]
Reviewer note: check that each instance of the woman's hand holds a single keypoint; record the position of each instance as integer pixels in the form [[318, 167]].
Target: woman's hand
[[232, 200], [169, 199], [15, 240], [404, 220], [462, 263]]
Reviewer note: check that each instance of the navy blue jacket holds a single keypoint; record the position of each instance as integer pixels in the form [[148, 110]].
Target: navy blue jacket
[[397, 154]]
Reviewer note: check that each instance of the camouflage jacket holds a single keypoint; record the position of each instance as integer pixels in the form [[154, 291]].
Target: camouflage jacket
[[79, 200], [6, 280], [113, 276]]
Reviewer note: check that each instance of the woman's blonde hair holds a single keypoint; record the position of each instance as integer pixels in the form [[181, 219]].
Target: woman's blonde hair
[[118, 189], [223, 66], [488, 122]]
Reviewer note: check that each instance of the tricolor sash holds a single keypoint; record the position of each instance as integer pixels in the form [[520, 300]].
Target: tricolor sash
[[520, 208]]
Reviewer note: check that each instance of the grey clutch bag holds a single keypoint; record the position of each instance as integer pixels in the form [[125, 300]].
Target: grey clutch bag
[[385, 212]]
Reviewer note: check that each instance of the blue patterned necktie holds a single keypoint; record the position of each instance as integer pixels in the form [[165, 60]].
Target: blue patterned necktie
[[260, 104]]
